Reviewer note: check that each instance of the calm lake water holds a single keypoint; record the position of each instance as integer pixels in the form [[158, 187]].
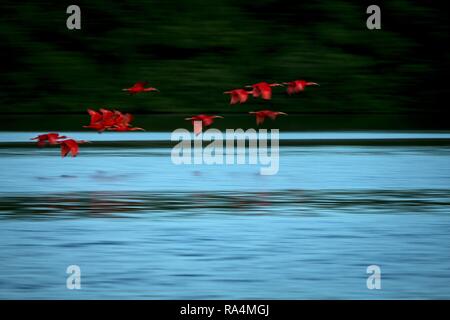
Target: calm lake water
[[140, 227]]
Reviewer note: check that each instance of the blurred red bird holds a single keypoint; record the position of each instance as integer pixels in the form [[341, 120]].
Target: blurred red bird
[[205, 119], [139, 87], [298, 85], [263, 89], [238, 95], [70, 146], [108, 118], [263, 114], [96, 120], [50, 138], [122, 123]]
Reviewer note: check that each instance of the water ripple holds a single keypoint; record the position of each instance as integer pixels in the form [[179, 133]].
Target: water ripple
[[287, 202]]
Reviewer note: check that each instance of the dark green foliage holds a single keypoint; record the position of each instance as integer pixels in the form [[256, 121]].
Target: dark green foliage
[[194, 50]]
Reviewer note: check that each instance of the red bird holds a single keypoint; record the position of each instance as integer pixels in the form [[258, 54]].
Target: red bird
[[298, 85], [70, 146], [263, 114], [139, 87], [96, 120], [122, 123], [238, 95], [105, 119], [205, 119], [108, 118], [263, 89], [50, 138]]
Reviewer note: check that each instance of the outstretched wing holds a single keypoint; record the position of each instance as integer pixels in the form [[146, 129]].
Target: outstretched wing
[[299, 86], [106, 113], [73, 147], [52, 137], [266, 92], [95, 116], [235, 98], [243, 96], [108, 117], [140, 84], [256, 91], [119, 118], [64, 149], [197, 126], [207, 121], [259, 119]]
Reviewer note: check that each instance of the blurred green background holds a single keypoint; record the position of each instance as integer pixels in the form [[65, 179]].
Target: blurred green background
[[194, 50]]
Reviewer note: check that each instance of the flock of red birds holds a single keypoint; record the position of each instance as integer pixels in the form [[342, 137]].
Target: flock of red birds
[[260, 89], [113, 120], [110, 120]]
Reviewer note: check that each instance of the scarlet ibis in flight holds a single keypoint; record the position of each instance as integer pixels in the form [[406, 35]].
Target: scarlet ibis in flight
[[238, 95], [263, 89], [96, 120], [70, 146], [108, 118], [298, 85], [139, 87], [122, 123], [263, 114], [50, 138], [205, 119]]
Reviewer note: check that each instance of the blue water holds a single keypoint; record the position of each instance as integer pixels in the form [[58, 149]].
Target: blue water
[[141, 227]]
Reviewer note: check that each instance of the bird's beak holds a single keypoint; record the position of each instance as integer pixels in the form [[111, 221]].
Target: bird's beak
[[251, 112], [220, 117], [187, 118], [248, 86], [282, 113], [314, 84]]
